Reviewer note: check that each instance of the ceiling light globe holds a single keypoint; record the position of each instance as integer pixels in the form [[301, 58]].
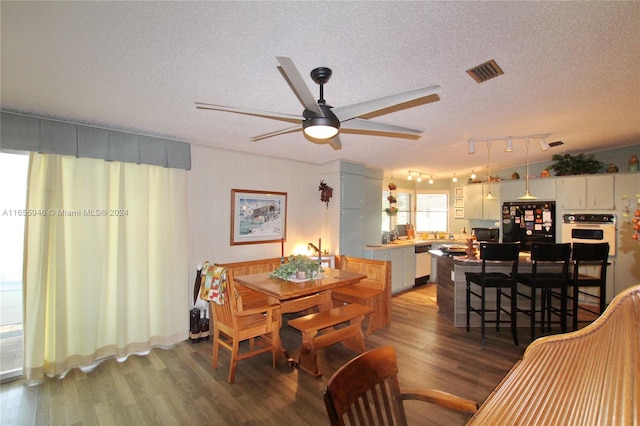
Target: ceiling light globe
[[321, 127]]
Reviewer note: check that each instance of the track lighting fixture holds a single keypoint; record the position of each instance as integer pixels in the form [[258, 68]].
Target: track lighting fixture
[[473, 174], [419, 178], [431, 180], [509, 146], [544, 145], [472, 147], [454, 179]]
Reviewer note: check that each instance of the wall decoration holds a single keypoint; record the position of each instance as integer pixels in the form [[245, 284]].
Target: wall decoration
[[459, 191], [459, 213], [258, 217], [459, 202], [326, 192]]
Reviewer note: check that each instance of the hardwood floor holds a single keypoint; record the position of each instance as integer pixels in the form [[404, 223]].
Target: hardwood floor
[[178, 386]]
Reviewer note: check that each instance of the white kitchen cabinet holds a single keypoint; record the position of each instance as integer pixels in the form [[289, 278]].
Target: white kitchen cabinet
[[475, 204], [403, 264], [491, 208], [473, 201], [352, 186], [593, 192], [543, 188]]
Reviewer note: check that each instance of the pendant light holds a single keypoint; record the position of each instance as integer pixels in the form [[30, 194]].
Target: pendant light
[[527, 195], [489, 194]]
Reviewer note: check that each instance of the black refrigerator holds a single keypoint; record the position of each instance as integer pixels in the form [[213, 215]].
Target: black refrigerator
[[528, 221]]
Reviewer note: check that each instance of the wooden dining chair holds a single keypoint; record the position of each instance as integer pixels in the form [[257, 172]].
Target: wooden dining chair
[[365, 391], [233, 324]]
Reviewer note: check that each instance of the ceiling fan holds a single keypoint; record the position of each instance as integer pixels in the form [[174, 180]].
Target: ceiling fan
[[321, 122]]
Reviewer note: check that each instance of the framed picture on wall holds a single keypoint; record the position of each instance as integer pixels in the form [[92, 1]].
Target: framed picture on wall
[[459, 213], [459, 202], [459, 192], [258, 216]]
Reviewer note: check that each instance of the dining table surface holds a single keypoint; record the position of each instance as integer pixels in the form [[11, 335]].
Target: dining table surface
[[286, 290]]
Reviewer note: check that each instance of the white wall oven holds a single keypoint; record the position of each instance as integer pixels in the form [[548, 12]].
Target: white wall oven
[[590, 228]]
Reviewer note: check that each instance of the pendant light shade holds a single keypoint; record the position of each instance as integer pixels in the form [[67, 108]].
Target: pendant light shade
[[527, 195]]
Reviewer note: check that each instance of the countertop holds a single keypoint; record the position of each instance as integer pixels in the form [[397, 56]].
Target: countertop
[[524, 258], [406, 243]]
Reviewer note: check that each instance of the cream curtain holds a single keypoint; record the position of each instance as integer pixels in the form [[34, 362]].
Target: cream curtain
[[106, 269]]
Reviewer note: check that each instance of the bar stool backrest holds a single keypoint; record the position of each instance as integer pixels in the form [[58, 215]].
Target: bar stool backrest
[[502, 252], [591, 253], [551, 252]]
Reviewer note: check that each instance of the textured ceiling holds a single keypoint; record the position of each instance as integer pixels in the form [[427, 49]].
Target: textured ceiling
[[571, 69]]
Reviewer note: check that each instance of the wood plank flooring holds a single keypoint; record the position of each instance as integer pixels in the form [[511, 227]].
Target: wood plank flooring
[[178, 386]]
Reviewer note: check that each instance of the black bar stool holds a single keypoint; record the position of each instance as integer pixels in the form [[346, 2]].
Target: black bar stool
[[589, 255], [495, 255], [549, 270]]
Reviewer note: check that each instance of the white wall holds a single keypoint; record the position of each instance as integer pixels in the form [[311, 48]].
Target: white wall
[[214, 172]]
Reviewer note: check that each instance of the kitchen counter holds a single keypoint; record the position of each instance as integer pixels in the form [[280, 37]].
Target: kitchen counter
[[452, 286], [405, 243]]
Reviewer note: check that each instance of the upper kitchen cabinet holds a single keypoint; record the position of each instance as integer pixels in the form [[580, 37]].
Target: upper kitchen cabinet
[[543, 188], [351, 186], [592, 192], [354, 220], [476, 206]]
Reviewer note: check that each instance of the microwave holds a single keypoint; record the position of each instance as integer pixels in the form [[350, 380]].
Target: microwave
[[491, 235]]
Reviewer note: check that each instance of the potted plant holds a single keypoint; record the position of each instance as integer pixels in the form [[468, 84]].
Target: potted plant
[[392, 211], [575, 165], [392, 199], [298, 266]]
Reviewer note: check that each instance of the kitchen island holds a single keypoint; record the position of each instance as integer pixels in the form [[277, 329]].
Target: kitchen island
[[452, 287]]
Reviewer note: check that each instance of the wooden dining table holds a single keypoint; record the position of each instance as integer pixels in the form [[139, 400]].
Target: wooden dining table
[[294, 296]]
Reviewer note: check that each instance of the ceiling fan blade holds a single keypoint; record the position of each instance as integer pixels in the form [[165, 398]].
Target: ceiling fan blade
[[335, 142], [299, 86], [368, 125], [276, 133], [257, 113], [366, 107]]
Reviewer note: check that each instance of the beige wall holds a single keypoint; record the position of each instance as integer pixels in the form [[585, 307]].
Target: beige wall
[[214, 172]]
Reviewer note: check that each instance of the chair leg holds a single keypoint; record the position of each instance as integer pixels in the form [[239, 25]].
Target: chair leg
[[216, 349], [563, 309], [533, 313], [235, 346], [482, 310], [498, 304], [575, 307], [468, 303], [514, 313]]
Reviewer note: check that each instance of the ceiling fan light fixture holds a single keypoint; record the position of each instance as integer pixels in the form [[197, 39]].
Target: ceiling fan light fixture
[[320, 127]]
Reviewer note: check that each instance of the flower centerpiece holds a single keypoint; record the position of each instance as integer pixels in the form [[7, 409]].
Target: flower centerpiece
[[298, 267]]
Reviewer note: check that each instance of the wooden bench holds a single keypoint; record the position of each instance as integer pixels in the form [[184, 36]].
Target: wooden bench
[[319, 331], [374, 292]]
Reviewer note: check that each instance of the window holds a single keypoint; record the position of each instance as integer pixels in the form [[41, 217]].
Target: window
[[432, 212], [13, 190], [404, 209]]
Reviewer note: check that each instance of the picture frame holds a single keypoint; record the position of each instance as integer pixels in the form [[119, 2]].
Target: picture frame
[[459, 213], [459, 202], [258, 217], [459, 191]]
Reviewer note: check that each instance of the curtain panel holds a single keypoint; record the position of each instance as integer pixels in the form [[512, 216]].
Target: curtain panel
[[105, 263]]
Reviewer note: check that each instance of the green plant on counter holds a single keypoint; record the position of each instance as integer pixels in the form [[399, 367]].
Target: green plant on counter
[[295, 264], [575, 165]]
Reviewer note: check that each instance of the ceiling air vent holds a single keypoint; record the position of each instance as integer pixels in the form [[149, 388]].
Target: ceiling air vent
[[486, 71]]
